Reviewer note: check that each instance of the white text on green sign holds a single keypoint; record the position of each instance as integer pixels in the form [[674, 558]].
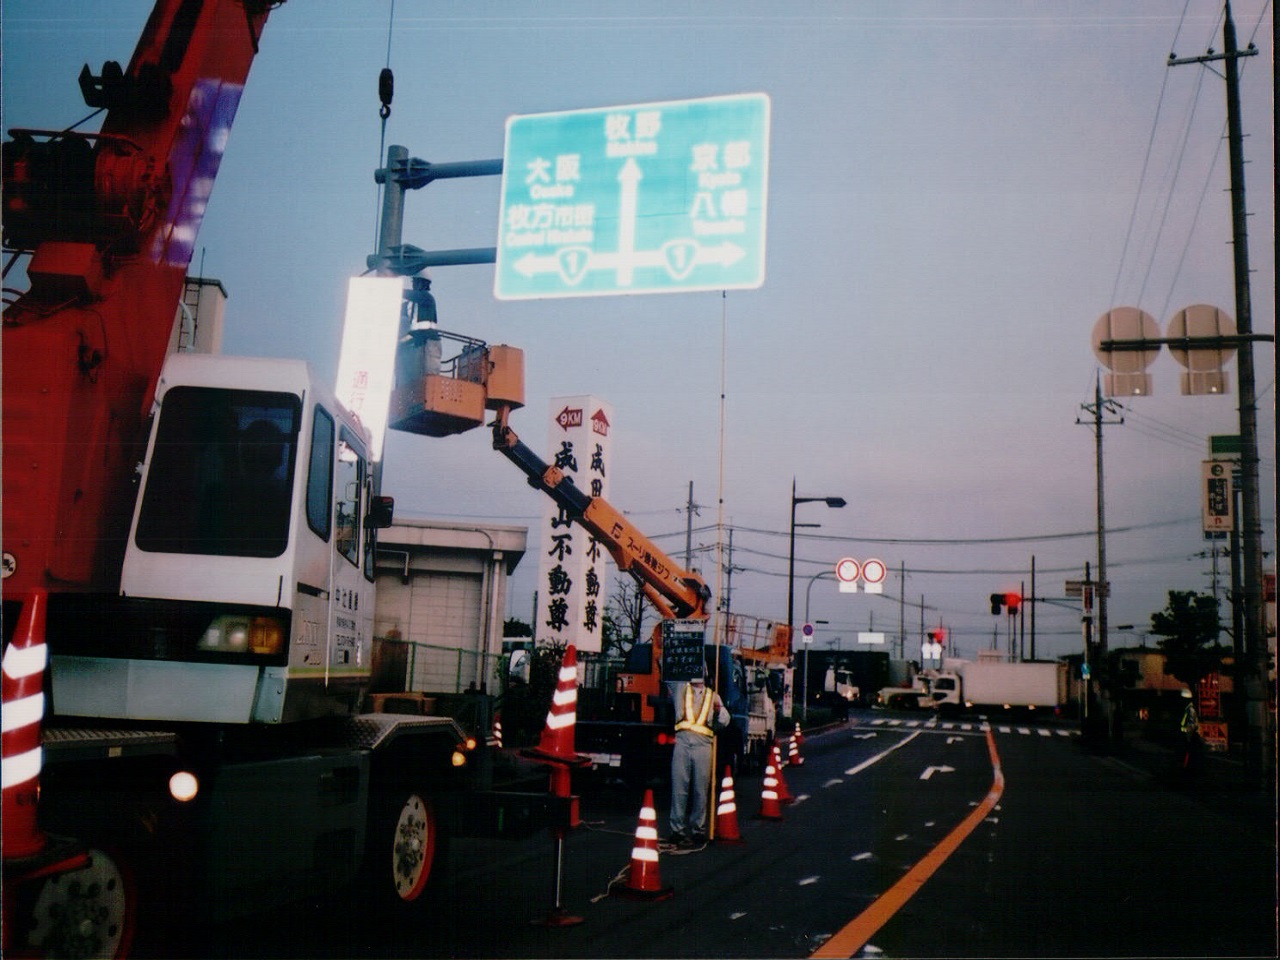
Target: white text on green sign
[[647, 198]]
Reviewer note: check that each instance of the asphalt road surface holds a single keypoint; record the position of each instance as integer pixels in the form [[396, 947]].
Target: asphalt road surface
[[905, 838]]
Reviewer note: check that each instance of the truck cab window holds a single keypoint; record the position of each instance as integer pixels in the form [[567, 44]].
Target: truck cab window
[[320, 476], [220, 481], [348, 487]]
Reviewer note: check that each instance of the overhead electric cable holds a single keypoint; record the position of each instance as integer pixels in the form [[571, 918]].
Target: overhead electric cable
[[1142, 176]]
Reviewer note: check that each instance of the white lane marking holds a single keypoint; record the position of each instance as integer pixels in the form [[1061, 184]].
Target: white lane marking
[[880, 756]]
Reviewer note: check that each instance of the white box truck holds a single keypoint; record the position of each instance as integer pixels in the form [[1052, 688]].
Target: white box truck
[[989, 685]]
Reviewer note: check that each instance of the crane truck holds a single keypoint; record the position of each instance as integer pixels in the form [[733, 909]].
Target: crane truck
[[187, 558]]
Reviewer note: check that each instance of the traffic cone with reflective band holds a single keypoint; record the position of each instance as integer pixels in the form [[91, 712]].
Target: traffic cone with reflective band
[[784, 792], [23, 697], [770, 806], [556, 743], [793, 752], [495, 735], [642, 878], [727, 812], [798, 735]]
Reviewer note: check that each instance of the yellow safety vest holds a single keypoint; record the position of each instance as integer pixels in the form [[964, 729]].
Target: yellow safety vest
[[697, 721]]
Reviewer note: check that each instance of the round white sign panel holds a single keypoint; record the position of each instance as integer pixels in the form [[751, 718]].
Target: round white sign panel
[[873, 571]]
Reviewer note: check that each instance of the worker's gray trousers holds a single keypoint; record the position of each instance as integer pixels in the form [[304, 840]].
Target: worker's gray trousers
[[690, 777]]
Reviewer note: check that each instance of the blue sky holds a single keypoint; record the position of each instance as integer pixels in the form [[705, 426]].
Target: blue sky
[[951, 188]]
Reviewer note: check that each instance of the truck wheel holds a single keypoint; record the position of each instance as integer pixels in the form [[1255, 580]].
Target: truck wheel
[[89, 912], [402, 847]]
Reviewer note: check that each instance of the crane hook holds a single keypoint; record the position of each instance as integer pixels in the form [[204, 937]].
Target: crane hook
[[386, 89]]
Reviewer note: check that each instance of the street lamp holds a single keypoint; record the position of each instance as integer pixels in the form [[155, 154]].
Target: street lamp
[[833, 502], [804, 670]]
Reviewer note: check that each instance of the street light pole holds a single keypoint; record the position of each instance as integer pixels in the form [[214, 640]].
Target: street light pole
[[834, 503], [804, 677]]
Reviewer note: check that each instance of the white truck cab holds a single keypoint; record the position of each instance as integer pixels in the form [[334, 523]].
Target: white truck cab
[[247, 589]]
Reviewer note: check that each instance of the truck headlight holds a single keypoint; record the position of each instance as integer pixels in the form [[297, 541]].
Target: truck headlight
[[233, 633]]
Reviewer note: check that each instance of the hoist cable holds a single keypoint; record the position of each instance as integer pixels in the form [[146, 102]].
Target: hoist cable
[[386, 89]]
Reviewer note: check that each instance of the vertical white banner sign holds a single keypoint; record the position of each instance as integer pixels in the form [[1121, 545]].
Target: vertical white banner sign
[[572, 568]]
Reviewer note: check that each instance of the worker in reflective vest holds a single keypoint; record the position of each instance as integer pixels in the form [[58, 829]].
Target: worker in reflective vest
[[700, 712]]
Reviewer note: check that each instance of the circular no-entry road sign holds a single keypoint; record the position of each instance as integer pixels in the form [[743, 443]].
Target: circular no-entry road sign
[[873, 571], [848, 570]]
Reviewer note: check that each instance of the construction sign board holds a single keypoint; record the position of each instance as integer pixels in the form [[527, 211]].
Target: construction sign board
[[682, 645]]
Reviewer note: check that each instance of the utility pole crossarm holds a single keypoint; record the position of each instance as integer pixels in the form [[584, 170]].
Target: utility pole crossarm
[[1249, 51], [1185, 343]]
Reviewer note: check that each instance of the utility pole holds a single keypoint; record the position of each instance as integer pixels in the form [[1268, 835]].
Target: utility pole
[[1099, 408], [902, 610], [690, 509], [1034, 601], [1258, 749], [728, 578]]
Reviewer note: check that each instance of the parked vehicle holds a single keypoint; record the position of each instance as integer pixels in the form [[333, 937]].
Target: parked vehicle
[[991, 685]]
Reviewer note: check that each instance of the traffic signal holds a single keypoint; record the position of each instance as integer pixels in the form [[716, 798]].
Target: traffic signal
[[997, 601], [938, 636], [1011, 602]]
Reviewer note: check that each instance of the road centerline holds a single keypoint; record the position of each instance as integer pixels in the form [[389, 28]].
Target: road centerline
[[854, 935]]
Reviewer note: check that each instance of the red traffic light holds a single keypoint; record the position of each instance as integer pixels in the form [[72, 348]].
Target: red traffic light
[[1011, 603]]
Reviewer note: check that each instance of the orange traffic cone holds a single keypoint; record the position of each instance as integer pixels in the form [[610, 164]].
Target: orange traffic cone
[[793, 752], [23, 692], [770, 805], [799, 737], [642, 879], [727, 812], [784, 793], [495, 735], [556, 744]]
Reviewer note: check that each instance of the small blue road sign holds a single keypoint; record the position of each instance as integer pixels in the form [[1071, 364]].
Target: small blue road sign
[[647, 198]]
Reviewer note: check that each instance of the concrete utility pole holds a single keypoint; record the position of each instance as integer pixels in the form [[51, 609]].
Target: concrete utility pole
[[690, 509], [1258, 749], [1098, 659], [1098, 665]]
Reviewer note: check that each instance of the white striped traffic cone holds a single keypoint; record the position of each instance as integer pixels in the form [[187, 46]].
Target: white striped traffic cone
[[642, 878], [784, 792], [23, 698], [556, 743], [793, 752], [727, 812], [770, 805]]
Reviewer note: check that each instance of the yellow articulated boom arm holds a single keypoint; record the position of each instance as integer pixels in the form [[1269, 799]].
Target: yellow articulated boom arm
[[675, 592]]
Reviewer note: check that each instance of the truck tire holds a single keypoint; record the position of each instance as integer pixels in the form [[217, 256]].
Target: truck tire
[[403, 846], [91, 912]]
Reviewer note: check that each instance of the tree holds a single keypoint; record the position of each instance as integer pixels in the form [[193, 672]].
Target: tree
[[514, 627], [624, 616], [1189, 626]]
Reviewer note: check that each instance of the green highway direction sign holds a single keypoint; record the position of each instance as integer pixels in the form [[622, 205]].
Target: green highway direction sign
[[647, 198]]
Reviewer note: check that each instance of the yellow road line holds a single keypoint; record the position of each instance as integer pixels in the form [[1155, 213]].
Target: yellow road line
[[854, 935]]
